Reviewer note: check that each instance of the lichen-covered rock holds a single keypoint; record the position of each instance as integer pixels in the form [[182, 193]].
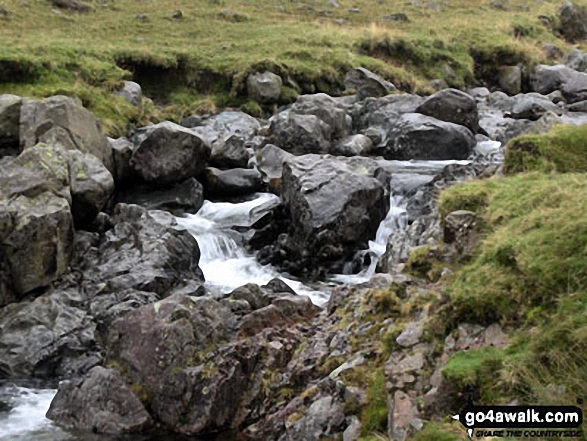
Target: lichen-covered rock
[[169, 154], [62, 120], [36, 227], [91, 187], [99, 403]]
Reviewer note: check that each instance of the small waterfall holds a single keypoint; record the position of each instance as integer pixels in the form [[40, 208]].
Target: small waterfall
[[224, 261], [406, 176]]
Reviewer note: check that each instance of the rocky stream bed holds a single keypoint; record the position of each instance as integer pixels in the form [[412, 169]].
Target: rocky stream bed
[[210, 278]]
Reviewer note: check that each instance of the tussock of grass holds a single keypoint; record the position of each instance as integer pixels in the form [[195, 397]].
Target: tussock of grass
[[563, 150]]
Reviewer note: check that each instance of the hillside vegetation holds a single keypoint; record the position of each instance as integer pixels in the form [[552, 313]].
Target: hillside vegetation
[[200, 61]]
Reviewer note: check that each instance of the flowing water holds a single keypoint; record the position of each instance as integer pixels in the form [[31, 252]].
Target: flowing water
[[224, 261], [226, 266]]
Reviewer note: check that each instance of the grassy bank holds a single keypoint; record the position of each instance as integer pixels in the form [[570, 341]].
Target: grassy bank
[[200, 61]]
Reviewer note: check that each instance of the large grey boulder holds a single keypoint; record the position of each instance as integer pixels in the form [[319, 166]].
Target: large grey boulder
[[532, 106], [334, 207], [144, 250], [49, 336], [234, 182], [169, 154], [454, 106], [417, 136], [10, 124], [91, 187], [312, 125], [131, 92], [573, 22], [100, 403], [300, 134], [36, 225], [62, 120], [577, 60], [365, 83], [229, 153], [575, 89], [264, 87], [547, 79]]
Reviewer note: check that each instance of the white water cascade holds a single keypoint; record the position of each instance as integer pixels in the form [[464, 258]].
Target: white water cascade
[[224, 261]]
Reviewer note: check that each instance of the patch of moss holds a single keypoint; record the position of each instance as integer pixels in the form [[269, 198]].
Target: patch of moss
[[374, 414], [562, 150], [252, 108]]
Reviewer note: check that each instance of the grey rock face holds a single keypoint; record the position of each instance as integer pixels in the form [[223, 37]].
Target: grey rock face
[[532, 107], [229, 153], [122, 150], [100, 403], [547, 79], [264, 87], [365, 83], [9, 124], [335, 206], [575, 89], [452, 106], [62, 120], [91, 187], [311, 125], [145, 250], [576, 60], [417, 136], [131, 92], [169, 154], [354, 145], [46, 337]]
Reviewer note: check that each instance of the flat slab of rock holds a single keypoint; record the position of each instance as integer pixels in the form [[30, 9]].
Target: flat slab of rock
[[365, 83]]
